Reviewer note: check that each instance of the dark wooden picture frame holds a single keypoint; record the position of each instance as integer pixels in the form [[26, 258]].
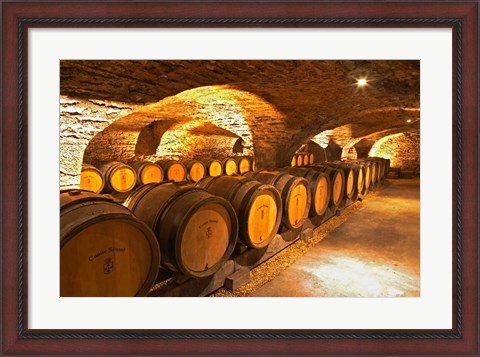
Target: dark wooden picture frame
[[18, 17]]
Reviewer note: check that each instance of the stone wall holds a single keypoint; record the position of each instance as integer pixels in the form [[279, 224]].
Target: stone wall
[[402, 149], [80, 121]]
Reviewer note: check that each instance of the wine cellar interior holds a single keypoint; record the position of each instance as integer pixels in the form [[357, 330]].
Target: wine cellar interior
[[240, 178]]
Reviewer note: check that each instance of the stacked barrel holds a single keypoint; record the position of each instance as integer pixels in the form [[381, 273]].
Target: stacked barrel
[[122, 178], [187, 216], [303, 159]]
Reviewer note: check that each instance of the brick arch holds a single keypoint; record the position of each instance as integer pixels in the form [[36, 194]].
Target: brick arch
[[403, 150], [345, 131], [196, 113], [319, 152], [197, 140]]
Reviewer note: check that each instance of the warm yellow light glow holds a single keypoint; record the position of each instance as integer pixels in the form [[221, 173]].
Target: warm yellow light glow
[[362, 82], [409, 121]]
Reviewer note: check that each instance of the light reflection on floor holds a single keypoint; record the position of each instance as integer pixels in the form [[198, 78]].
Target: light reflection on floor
[[345, 275], [375, 253]]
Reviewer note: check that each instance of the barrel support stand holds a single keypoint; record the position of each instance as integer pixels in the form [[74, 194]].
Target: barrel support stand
[[185, 286], [250, 258]]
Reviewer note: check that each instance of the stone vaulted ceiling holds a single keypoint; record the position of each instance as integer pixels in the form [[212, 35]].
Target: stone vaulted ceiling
[[273, 106]]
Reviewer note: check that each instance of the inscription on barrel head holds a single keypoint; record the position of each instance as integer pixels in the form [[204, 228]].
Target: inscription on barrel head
[[214, 221], [262, 206], [105, 251]]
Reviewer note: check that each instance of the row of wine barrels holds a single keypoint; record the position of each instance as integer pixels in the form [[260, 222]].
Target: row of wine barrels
[[258, 206], [234, 166], [359, 177], [120, 177], [104, 249], [366, 168], [295, 194], [383, 167], [303, 159], [111, 250], [349, 174], [196, 230], [337, 182], [319, 186], [368, 173], [117, 176]]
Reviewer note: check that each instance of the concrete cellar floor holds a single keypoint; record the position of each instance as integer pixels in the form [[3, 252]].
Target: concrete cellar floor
[[374, 253]]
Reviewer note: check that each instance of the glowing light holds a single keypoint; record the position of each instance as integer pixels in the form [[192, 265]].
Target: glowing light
[[362, 82], [409, 120]]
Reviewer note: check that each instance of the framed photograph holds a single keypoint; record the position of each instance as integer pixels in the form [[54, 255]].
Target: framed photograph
[[47, 48]]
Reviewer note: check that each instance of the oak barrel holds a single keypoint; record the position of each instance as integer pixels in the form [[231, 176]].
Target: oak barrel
[[214, 167], [119, 177], [387, 167], [299, 158], [368, 174], [384, 167], [311, 159], [195, 169], [349, 173], [254, 164], [293, 163], [306, 159], [258, 206], [295, 194], [319, 186], [337, 182], [373, 173], [104, 249], [380, 168], [359, 170], [229, 166], [244, 165], [147, 172], [173, 170], [196, 230], [91, 179]]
